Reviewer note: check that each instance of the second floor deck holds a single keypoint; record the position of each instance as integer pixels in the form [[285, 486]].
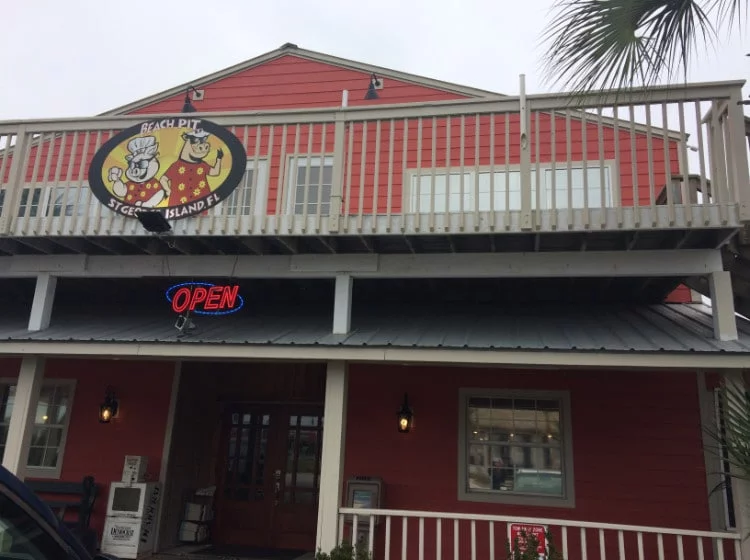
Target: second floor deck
[[659, 168]]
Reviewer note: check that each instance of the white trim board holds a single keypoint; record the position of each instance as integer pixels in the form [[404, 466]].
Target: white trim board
[[674, 263], [689, 361]]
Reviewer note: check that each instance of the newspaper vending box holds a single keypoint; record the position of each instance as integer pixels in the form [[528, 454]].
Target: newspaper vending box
[[132, 509]]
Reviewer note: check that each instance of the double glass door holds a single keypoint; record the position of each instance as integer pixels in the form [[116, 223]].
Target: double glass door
[[269, 476]]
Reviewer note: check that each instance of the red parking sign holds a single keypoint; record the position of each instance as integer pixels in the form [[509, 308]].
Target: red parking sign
[[539, 531]]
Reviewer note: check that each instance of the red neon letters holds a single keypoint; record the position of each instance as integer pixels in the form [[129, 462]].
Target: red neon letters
[[215, 298]]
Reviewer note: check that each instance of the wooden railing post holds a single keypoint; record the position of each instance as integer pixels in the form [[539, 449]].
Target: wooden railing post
[[525, 158], [737, 152], [16, 179], [339, 161]]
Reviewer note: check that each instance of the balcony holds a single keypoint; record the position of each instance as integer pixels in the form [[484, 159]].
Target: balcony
[[662, 168]]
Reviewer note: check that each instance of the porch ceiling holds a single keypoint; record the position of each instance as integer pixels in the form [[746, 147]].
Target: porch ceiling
[[664, 328], [367, 243]]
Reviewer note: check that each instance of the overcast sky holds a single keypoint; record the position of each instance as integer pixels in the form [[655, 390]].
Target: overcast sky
[[83, 57]]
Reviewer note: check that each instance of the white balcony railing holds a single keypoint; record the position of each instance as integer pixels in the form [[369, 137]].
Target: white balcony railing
[[670, 157], [405, 535]]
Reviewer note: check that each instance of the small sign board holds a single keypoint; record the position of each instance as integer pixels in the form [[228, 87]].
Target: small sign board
[[518, 530]]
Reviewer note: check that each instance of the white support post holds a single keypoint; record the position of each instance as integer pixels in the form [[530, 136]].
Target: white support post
[[738, 159], [525, 142], [342, 304], [339, 164], [166, 454], [740, 486], [332, 459], [22, 417], [16, 178], [722, 306], [44, 296]]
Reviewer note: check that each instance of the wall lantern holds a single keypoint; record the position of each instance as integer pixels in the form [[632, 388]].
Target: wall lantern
[[187, 106], [405, 416], [108, 408], [375, 83]]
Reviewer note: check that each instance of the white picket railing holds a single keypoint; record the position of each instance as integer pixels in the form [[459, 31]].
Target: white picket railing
[[399, 534], [670, 157]]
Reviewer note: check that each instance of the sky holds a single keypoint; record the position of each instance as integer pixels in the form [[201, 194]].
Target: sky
[[82, 57]]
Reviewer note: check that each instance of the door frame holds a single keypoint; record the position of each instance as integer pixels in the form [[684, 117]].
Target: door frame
[[276, 448]]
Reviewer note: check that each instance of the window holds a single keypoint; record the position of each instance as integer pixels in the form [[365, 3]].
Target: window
[[504, 192], [31, 199], [510, 183], [50, 426], [240, 202], [71, 201], [57, 200], [310, 185], [593, 187], [515, 448]]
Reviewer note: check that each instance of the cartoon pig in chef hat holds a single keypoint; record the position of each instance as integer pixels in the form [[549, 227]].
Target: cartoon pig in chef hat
[[139, 187]]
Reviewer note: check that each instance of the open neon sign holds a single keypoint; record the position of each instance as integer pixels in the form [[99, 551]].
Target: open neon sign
[[203, 298]]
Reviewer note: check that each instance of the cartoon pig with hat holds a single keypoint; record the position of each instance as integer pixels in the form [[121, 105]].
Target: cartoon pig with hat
[[140, 186]]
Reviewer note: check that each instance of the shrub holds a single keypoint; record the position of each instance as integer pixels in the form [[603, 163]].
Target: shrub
[[514, 550]]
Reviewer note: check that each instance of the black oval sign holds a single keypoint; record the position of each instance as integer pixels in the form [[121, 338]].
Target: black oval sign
[[178, 166]]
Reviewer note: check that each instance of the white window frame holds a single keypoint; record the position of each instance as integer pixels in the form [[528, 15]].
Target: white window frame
[[230, 207], [566, 450], [410, 191], [85, 206], [50, 472], [294, 162]]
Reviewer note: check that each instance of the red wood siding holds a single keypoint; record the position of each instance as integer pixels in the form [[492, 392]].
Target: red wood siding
[[143, 389], [682, 294], [292, 82], [636, 436], [9, 367]]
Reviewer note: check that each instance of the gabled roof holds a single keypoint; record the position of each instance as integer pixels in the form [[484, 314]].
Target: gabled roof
[[292, 49]]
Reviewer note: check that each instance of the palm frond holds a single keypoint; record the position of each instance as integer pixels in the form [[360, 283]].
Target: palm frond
[[728, 12], [619, 44]]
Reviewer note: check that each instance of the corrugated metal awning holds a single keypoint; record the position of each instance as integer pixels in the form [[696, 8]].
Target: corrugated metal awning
[[675, 328]]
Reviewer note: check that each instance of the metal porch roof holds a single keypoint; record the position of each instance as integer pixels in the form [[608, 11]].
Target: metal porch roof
[[675, 328]]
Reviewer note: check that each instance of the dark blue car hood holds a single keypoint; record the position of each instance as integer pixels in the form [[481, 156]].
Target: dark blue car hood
[[25, 495]]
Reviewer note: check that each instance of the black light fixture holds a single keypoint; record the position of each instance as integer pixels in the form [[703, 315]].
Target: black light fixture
[[187, 106], [154, 221], [108, 408], [405, 416], [371, 91]]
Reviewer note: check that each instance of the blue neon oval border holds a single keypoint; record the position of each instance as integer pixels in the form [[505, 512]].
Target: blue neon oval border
[[205, 284]]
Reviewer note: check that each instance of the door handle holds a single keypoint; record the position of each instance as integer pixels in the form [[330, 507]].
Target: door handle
[[276, 486]]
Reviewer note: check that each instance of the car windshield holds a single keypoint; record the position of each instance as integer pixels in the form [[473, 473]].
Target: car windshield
[[23, 537]]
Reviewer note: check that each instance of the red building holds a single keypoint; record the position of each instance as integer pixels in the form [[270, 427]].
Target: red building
[[509, 270]]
